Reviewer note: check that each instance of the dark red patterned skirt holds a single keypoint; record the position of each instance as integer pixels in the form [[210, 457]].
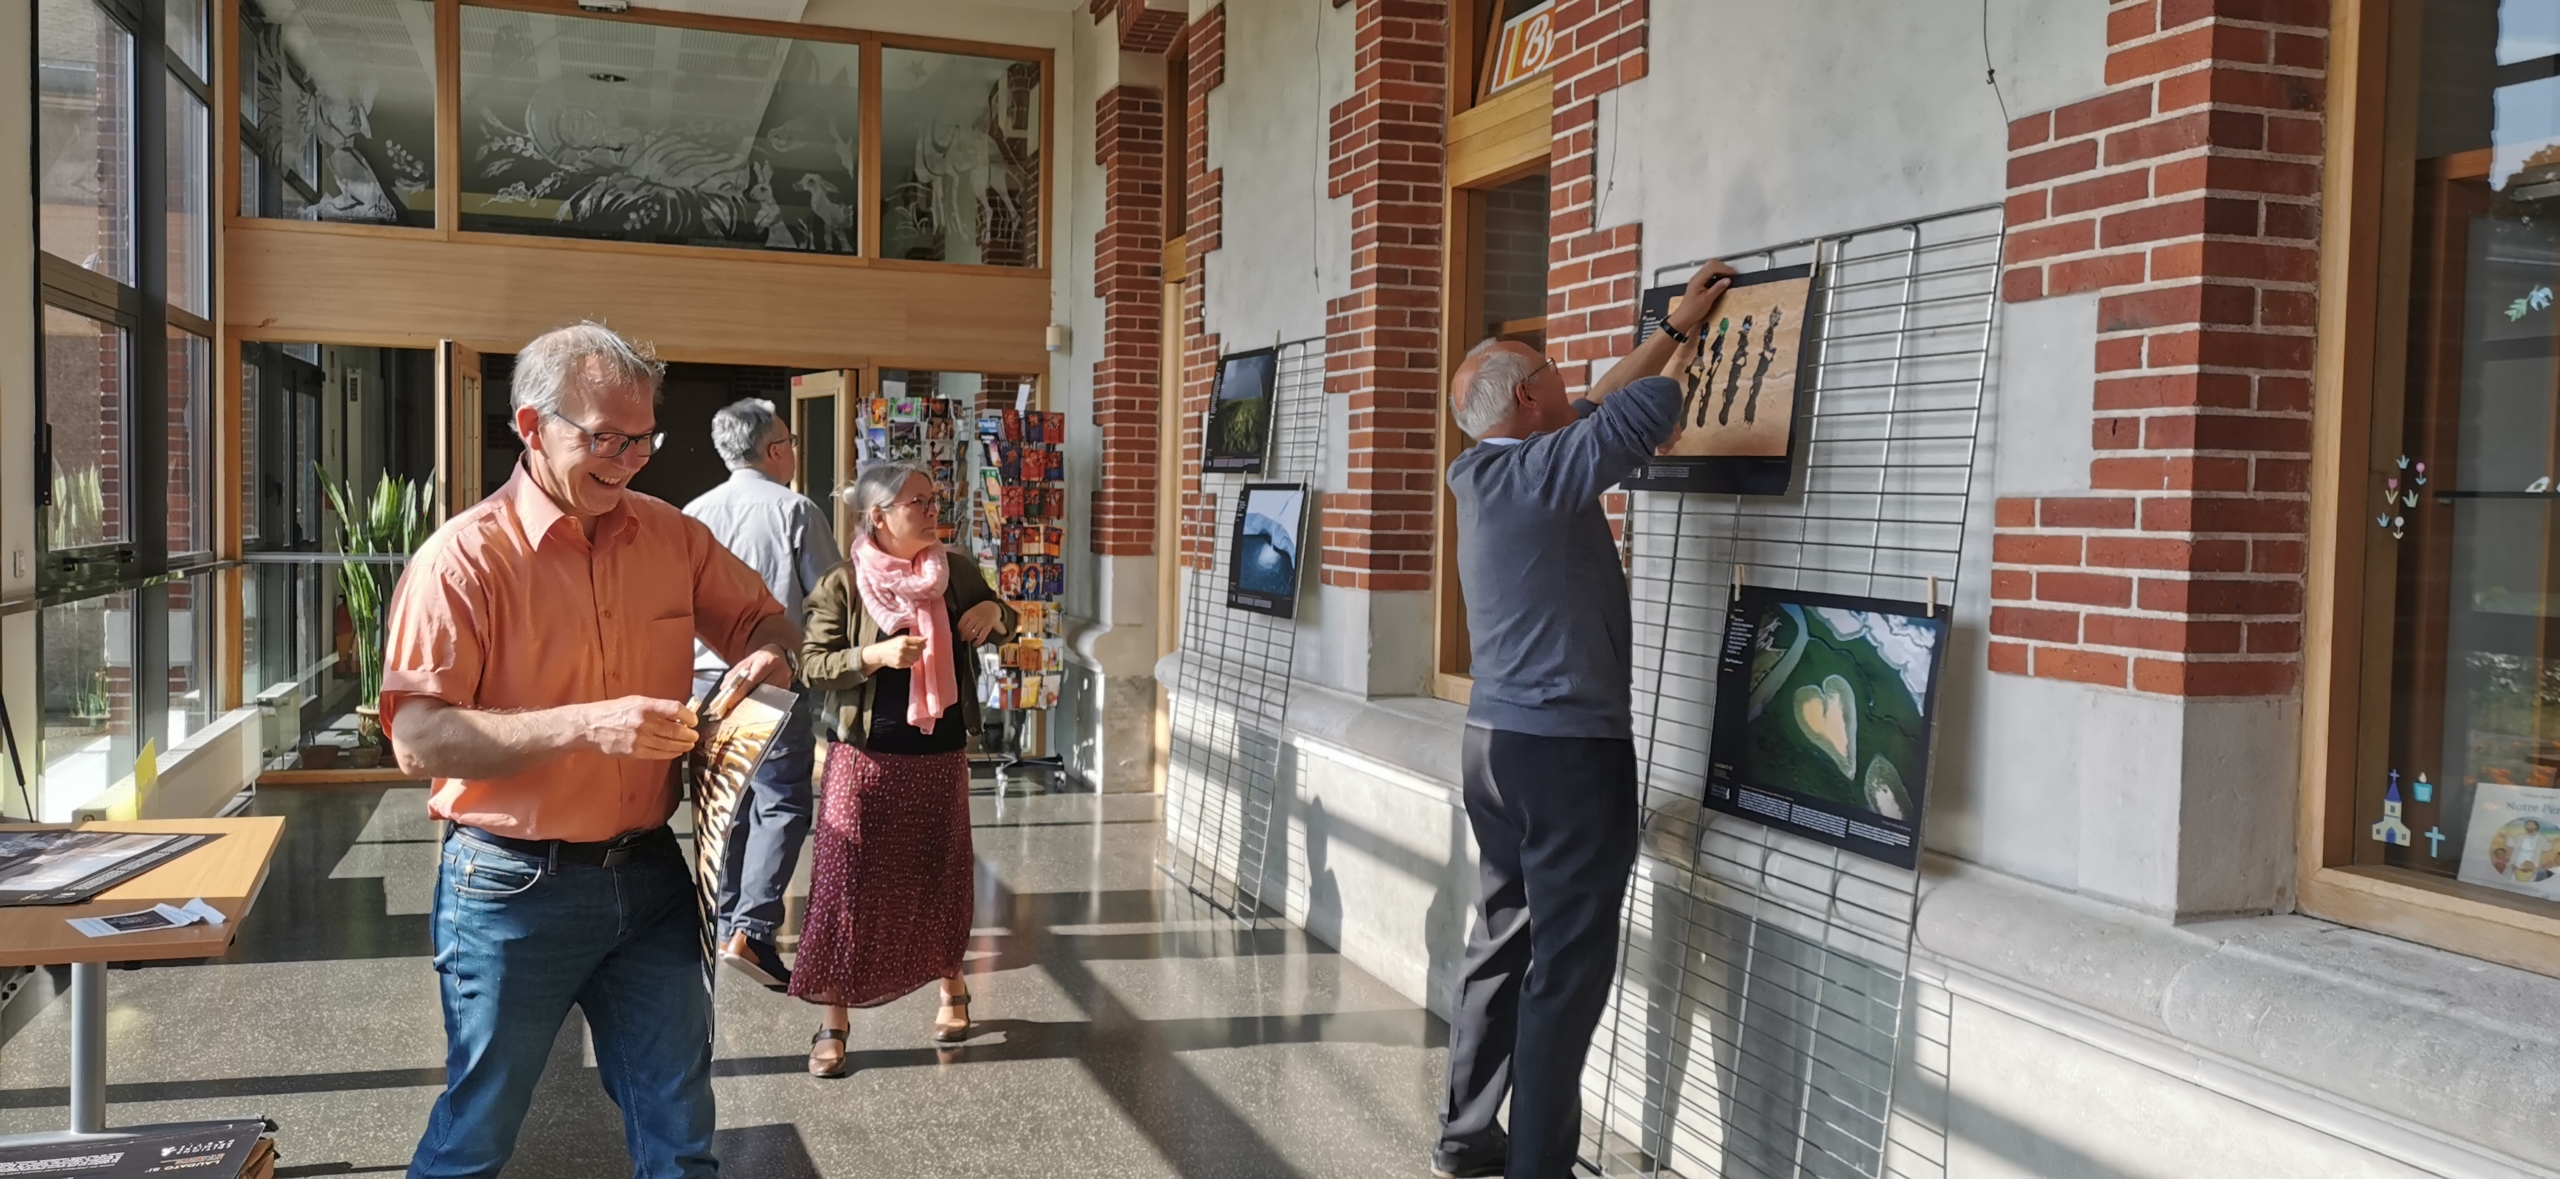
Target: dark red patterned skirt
[[890, 895]]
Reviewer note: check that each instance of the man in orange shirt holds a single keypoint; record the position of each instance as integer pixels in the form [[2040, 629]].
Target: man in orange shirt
[[539, 655]]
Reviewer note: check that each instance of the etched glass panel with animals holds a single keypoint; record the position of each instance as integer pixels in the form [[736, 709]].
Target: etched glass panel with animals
[[959, 158], [622, 131]]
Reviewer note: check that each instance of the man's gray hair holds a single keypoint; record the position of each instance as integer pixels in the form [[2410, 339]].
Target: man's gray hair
[[742, 429], [878, 484], [586, 356], [1484, 403]]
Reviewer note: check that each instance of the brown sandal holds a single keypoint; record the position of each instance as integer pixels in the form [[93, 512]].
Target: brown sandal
[[947, 1030], [830, 1064]]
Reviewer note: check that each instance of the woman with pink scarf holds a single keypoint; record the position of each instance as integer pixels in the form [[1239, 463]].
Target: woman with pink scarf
[[890, 639]]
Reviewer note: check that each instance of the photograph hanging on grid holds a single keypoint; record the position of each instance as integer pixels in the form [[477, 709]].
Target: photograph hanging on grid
[[1825, 704], [1270, 522], [1738, 395], [1239, 430]]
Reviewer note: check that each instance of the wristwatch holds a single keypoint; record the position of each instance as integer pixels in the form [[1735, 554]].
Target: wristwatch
[[1677, 336]]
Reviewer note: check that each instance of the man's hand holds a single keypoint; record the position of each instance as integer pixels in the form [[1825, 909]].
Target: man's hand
[[1698, 302], [641, 727], [765, 665], [901, 651], [980, 621]]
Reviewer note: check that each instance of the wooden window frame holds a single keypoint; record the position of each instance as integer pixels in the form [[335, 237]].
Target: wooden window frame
[[2365, 259], [1490, 144]]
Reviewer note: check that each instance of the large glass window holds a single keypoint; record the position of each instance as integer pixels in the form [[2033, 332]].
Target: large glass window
[[614, 129], [2461, 507], [959, 158], [84, 136], [90, 730], [190, 236], [84, 431], [195, 650], [337, 110], [124, 385], [190, 484]]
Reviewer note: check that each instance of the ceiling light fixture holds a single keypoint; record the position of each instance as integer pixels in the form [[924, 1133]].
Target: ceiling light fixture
[[603, 77], [605, 5]]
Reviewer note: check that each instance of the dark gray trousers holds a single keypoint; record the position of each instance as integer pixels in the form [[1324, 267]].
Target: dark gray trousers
[[1555, 823]]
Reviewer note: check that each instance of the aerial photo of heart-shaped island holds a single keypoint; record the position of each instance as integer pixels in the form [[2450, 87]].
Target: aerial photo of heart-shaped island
[[1827, 715]]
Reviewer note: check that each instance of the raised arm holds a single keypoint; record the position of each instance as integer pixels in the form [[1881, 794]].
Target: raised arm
[[1572, 466], [1687, 315]]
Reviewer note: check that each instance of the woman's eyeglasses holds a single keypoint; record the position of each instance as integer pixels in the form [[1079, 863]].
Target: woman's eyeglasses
[[607, 445], [920, 503]]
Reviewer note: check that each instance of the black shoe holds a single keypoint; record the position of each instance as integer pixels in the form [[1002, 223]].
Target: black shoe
[[757, 960], [1472, 1164]]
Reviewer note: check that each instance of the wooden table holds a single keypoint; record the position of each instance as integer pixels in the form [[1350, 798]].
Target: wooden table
[[227, 872]]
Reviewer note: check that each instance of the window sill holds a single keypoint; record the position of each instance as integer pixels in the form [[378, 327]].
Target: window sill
[[2449, 915]]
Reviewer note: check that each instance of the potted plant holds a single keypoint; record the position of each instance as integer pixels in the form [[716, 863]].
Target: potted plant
[[394, 521]]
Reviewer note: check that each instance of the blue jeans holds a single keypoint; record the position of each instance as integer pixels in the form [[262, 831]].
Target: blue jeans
[[772, 823], [517, 941]]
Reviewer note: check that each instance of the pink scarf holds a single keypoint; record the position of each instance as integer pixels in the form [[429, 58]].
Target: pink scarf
[[905, 595]]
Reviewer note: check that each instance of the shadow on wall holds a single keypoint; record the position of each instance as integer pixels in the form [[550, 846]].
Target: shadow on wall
[[1302, 812]]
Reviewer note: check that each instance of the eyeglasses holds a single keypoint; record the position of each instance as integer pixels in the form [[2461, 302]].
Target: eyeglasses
[[919, 502], [609, 445], [1533, 373], [787, 437]]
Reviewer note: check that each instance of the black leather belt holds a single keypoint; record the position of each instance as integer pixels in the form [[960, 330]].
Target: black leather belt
[[604, 853]]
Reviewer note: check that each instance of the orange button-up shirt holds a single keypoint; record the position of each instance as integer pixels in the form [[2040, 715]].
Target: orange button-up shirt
[[510, 607]]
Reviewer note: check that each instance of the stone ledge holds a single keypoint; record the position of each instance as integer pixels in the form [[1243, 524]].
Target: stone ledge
[[2454, 1046], [1416, 734]]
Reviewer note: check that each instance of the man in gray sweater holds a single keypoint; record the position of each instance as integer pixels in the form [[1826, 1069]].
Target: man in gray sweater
[[1549, 759]]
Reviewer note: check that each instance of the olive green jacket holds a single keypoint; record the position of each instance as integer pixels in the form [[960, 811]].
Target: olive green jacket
[[839, 628]]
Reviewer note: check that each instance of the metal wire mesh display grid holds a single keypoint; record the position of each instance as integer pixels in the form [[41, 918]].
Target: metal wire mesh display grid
[[1762, 992], [1230, 695]]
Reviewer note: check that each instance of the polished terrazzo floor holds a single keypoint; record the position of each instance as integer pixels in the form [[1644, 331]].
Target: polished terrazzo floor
[[1124, 1029]]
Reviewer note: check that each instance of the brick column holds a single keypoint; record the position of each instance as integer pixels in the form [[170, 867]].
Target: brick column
[[1382, 340], [2187, 198], [1204, 198], [1592, 273], [1128, 276]]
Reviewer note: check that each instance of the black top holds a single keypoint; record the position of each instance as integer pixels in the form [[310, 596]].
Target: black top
[[890, 732]]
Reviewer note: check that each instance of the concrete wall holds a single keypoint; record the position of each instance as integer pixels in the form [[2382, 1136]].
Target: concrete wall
[[18, 314]]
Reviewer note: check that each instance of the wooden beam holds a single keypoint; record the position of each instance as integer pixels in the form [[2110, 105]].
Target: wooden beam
[[495, 292], [1503, 138], [448, 127]]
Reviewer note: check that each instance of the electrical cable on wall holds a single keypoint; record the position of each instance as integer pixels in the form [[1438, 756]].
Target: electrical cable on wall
[[1991, 75], [26, 796]]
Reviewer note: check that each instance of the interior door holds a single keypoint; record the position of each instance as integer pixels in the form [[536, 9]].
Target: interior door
[[457, 428]]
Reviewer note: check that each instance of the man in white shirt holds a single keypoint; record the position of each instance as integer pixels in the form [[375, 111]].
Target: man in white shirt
[[785, 538]]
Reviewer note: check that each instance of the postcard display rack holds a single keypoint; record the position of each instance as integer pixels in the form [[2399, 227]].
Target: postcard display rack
[[1228, 702], [1001, 475], [1020, 544], [1765, 989]]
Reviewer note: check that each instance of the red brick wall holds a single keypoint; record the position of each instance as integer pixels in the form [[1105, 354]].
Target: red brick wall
[[1147, 29], [1128, 276], [2187, 197], [1203, 191], [1592, 273], [1382, 340]]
